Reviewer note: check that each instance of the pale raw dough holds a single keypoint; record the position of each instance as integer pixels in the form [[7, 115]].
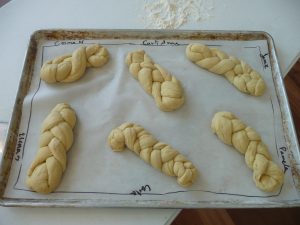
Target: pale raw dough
[[69, 68], [156, 81], [46, 170], [267, 175], [159, 155], [239, 73]]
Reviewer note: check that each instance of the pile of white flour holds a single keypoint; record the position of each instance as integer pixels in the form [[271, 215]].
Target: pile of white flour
[[171, 14]]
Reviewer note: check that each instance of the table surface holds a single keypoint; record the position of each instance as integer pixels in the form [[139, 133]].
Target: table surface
[[19, 19]]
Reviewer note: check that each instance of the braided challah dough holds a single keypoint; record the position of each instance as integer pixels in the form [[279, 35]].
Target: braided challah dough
[[69, 68], [239, 73], [267, 175], [156, 81], [46, 170], [159, 155]]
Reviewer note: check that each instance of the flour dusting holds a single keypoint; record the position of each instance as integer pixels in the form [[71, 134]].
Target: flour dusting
[[171, 14]]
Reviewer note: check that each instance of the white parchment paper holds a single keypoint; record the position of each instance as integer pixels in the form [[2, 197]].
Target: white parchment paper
[[106, 97]]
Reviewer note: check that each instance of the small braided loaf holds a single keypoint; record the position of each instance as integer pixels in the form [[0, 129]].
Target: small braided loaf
[[239, 73], [267, 175], [46, 170], [159, 155], [69, 68], [156, 81]]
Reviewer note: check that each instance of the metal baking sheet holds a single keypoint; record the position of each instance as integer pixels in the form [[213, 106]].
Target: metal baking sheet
[[141, 195]]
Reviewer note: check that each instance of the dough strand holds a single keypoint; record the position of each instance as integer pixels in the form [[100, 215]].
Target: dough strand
[[159, 155], [45, 172], [69, 68], [267, 175], [156, 81], [239, 73]]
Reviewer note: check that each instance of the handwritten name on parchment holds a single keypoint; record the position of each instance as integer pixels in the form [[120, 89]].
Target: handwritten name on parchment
[[140, 191], [159, 43]]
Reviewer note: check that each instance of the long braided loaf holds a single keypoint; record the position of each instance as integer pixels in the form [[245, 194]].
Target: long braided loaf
[[69, 68], [266, 174], [239, 73], [159, 155], [156, 81], [46, 170]]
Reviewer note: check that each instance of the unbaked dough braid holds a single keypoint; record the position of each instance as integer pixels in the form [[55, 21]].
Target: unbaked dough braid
[[156, 81], [69, 68], [159, 155], [266, 174], [46, 170], [239, 73]]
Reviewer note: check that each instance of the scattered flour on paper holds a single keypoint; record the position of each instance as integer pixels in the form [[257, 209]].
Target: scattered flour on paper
[[171, 14]]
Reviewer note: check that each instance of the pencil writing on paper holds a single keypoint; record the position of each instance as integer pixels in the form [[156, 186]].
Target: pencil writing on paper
[[58, 43], [283, 161], [160, 43], [263, 58], [21, 138], [144, 188]]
